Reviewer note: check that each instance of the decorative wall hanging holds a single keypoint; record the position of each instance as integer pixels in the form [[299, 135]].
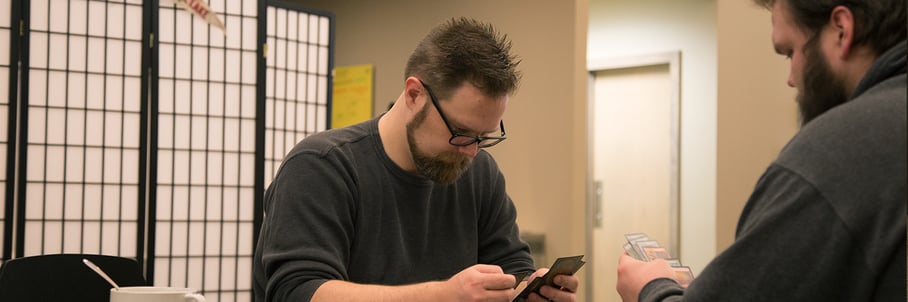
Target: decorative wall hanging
[[201, 9]]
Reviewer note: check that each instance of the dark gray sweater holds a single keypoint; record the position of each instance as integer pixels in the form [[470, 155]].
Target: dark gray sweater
[[826, 221], [339, 208]]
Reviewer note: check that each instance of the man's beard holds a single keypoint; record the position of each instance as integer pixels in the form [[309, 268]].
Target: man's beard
[[444, 168], [822, 89]]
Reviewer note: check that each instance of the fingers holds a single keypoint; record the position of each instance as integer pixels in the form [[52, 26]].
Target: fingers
[[494, 278], [481, 283], [566, 293], [534, 297], [488, 269], [549, 293], [567, 283], [627, 263], [496, 282], [539, 272], [563, 291], [634, 274]]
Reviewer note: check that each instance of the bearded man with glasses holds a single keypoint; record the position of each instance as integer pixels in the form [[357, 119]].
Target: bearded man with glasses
[[407, 206]]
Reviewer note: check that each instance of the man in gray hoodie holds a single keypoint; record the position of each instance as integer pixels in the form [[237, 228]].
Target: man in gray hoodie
[[826, 221]]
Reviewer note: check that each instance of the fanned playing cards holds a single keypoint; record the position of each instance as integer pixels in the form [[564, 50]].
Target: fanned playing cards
[[642, 248]]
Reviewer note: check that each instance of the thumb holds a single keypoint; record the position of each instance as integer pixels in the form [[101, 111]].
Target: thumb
[[488, 269]]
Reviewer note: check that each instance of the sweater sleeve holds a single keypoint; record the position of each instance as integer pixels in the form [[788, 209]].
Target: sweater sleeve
[[308, 227], [790, 246], [500, 242], [662, 289]]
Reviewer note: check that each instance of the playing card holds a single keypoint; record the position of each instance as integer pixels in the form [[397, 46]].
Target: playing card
[[673, 261], [642, 248], [641, 244], [655, 252], [635, 237], [562, 266], [683, 275], [632, 252]]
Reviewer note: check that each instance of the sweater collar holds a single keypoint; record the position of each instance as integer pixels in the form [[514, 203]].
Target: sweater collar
[[890, 63]]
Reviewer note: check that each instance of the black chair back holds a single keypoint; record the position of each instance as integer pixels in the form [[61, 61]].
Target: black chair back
[[64, 277]]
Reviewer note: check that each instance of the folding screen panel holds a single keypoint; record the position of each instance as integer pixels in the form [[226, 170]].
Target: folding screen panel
[[297, 73], [83, 130], [98, 107], [206, 150], [5, 99]]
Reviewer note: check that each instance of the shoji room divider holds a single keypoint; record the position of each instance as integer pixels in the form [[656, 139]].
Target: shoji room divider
[[8, 92], [134, 128]]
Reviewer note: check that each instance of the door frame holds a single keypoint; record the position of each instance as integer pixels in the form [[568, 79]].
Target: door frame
[[673, 59]]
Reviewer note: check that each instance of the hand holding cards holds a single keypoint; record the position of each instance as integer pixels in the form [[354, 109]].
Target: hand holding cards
[[642, 248], [562, 266]]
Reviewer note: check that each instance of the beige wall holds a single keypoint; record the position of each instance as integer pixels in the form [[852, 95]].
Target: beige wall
[[544, 158], [757, 114], [736, 112], [631, 28]]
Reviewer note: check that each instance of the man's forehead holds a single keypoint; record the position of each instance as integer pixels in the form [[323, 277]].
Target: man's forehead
[[779, 14], [784, 24], [772, 15], [473, 111], [776, 22]]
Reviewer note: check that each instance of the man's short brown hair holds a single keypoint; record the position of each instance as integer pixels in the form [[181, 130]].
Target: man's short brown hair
[[879, 24], [462, 50]]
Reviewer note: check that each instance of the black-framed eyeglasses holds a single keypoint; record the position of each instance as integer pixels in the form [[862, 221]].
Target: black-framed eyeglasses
[[460, 139]]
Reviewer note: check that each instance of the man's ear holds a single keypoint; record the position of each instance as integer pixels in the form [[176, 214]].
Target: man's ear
[[413, 89], [841, 20]]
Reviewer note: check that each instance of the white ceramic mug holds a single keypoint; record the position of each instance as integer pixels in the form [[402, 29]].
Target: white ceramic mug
[[154, 294]]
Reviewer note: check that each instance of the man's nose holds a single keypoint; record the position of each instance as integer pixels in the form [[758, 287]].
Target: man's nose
[[469, 150]]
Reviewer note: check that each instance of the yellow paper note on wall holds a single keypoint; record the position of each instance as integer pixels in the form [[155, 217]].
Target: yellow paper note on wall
[[352, 95]]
